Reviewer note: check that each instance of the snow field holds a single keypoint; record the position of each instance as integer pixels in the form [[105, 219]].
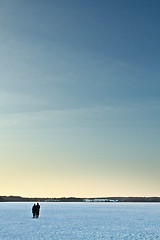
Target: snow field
[[80, 221]]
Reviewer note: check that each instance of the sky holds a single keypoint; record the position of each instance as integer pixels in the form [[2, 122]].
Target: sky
[[79, 98]]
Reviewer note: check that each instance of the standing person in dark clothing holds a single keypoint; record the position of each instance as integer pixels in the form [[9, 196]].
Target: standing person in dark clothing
[[34, 210], [37, 208]]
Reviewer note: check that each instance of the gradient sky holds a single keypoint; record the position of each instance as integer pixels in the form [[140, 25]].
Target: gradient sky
[[79, 98]]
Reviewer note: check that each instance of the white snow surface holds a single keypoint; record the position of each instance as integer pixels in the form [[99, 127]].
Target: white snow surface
[[80, 221]]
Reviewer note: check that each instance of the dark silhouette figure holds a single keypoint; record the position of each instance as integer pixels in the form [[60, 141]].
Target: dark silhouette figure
[[34, 210], [37, 209]]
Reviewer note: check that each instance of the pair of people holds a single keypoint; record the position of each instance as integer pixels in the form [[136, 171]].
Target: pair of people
[[35, 210]]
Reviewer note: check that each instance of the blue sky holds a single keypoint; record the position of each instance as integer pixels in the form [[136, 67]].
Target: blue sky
[[79, 97]]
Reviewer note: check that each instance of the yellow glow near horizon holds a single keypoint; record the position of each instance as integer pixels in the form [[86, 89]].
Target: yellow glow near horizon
[[33, 180]]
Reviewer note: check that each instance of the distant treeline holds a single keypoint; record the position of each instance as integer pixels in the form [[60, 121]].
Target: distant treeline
[[137, 199], [74, 199]]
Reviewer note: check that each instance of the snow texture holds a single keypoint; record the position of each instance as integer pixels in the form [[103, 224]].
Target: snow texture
[[80, 221]]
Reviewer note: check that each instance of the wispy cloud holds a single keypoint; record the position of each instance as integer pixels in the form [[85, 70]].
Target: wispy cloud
[[17, 99], [97, 113]]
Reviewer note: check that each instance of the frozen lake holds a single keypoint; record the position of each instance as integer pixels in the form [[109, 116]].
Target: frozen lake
[[80, 221]]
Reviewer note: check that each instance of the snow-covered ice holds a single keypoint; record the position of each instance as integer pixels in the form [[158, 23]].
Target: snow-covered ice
[[80, 221]]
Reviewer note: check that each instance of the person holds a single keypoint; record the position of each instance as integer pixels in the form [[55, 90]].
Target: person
[[37, 209], [34, 210]]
